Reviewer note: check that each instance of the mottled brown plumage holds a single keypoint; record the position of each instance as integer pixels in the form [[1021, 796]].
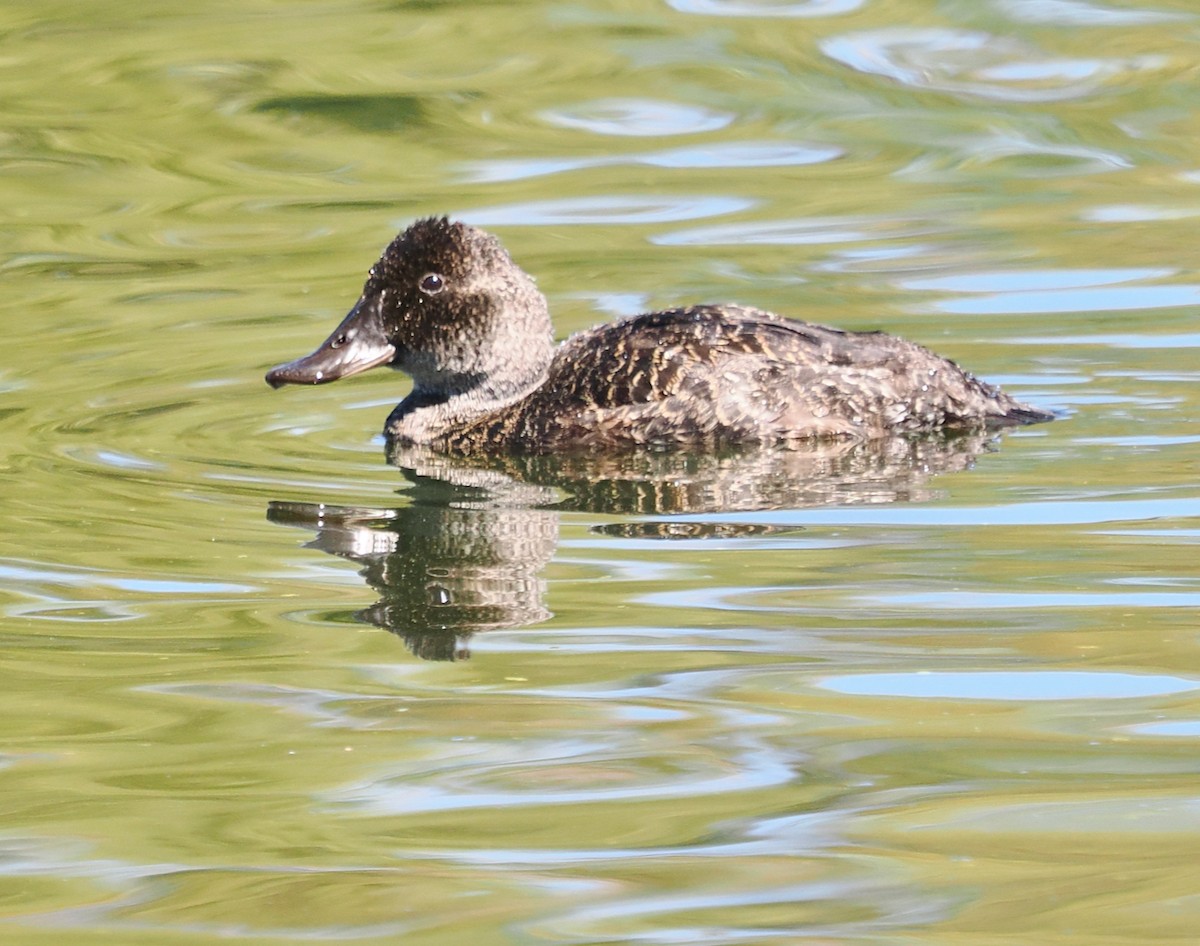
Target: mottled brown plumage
[[447, 304]]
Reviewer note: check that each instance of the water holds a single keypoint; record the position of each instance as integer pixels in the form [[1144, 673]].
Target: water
[[259, 686]]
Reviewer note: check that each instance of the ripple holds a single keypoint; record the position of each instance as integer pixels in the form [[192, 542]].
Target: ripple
[[977, 64], [1020, 686], [1078, 13], [87, 612], [62, 576], [164, 900], [1142, 440], [1174, 729], [385, 113], [323, 706], [1057, 290], [1081, 512], [116, 459], [1026, 156], [802, 231], [760, 906], [225, 236], [571, 773], [639, 118], [607, 209], [976, 601], [523, 169], [785, 8], [1138, 213], [770, 836], [79, 595], [1034, 279], [1122, 340], [768, 914], [785, 599], [1015, 827], [1078, 300], [750, 154]]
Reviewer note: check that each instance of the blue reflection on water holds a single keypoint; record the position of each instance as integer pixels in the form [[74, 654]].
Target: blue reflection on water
[[1082, 512], [1009, 685], [1080, 300], [617, 208]]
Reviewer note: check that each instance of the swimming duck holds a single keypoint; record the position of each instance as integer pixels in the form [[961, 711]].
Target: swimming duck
[[447, 304]]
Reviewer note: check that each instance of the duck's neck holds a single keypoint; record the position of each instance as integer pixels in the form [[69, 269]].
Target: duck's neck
[[512, 367], [428, 416]]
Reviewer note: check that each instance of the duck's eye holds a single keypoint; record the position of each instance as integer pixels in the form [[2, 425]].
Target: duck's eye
[[431, 284]]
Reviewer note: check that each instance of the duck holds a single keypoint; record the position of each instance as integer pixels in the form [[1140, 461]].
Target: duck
[[446, 304]]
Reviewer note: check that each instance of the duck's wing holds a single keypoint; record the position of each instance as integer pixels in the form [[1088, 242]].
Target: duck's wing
[[700, 375], [652, 357], [732, 373]]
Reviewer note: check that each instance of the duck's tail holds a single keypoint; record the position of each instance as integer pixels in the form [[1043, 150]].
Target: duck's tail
[[1018, 414]]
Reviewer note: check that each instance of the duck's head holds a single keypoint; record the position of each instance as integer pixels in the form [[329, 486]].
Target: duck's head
[[446, 304]]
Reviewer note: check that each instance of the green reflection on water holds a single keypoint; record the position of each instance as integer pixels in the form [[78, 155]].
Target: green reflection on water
[[206, 738]]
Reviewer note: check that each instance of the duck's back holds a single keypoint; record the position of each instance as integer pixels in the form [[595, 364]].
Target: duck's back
[[709, 375]]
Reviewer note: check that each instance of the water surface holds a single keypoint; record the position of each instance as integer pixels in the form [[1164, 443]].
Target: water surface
[[261, 686]]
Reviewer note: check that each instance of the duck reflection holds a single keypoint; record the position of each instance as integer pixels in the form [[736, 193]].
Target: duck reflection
[[442, 569], [465, 552]]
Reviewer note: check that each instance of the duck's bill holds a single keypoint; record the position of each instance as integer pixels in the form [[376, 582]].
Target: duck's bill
[[357, 344]]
